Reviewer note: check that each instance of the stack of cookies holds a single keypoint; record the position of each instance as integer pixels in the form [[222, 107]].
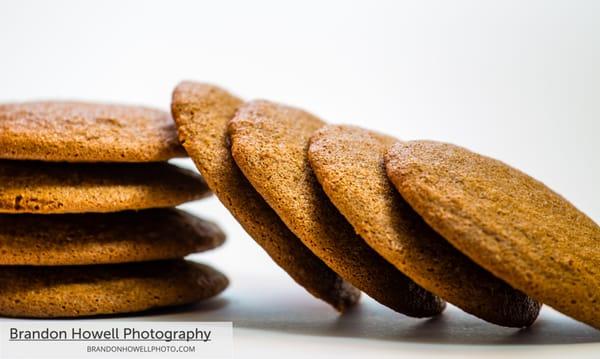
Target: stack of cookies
[[87, 218], [412, 224]]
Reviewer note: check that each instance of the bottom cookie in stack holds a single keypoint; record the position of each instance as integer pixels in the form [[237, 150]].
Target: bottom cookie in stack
[[92, 264], [73, 291]]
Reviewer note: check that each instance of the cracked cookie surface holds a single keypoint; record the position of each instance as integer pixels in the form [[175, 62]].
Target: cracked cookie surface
[[349, 163], [269, 144], [58, 187], [86, 132], [506, 221]]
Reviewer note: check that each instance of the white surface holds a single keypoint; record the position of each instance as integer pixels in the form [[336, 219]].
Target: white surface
[[274, 318], [518, 80]]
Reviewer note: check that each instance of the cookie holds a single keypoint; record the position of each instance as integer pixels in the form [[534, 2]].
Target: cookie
[[504, 220], [77, 291], [349, 164], [269, 144], [86, 132], [202, 112], [57, 187], [70, 239]]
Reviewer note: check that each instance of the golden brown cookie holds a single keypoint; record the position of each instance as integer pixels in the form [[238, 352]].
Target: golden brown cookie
[[349, 164], [202, 112], [56, 187], [86, 132], [269, 144], [77, 291], [69, 239], [504, 220]]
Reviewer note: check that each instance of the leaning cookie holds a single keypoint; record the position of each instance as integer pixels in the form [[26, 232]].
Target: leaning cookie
[[89, 238], [49, 187], [349, 163], [202, 112], [269, 144], [77, 291], [86, 132], [507, 222]]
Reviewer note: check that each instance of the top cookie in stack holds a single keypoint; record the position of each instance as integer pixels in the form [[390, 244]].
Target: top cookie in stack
[[78, 160], [86, 132]]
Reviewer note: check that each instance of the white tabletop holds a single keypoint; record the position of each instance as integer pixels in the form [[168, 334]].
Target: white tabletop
[[274, 317]]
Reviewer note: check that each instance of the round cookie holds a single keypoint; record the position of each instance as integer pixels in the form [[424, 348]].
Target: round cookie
[[269, 144], [86, 132], [77, 291], [504, 220], [57, 187], [71, 239], [349, 164], [202, 112]]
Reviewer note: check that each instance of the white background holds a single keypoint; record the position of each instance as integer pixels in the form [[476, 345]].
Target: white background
[[517, 80]]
